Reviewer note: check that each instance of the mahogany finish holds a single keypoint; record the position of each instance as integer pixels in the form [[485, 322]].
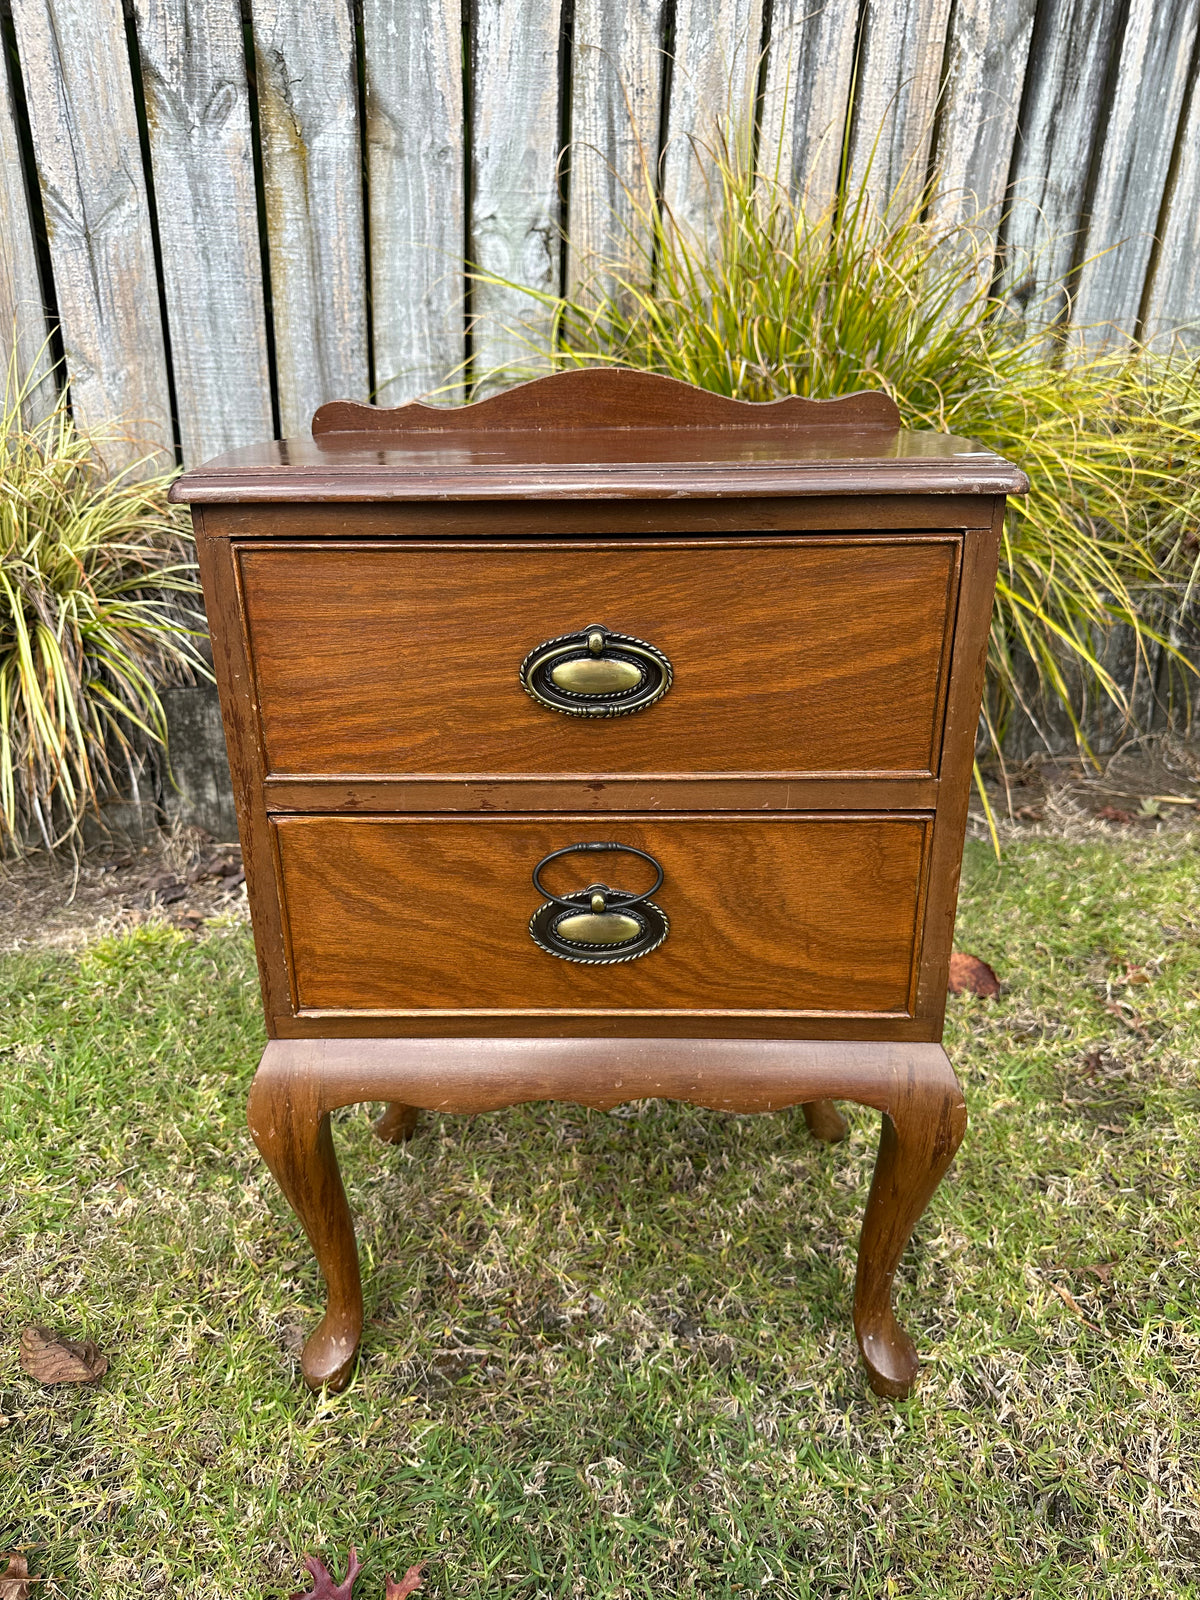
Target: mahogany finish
[[413, 666], [298, 1084], [795, 913], [600, 399], [821, 582]]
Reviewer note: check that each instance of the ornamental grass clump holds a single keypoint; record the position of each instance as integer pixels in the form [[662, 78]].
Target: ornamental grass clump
[[774, 299], [97, 611]]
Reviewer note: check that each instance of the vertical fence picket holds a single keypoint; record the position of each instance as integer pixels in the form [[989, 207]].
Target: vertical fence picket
[[616, 99], [810, 65], [1071, 197], [514, 224], [714, 82], [312, 178], [78, 87], [197, 114], [1139, 136], [896, 97], [1063, 113], [23, 327], [1172, 302], [987, 54], [415, 170]]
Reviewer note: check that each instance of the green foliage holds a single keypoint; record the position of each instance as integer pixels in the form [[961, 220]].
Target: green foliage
[[775, 300], [611, 1355], [97, 591]]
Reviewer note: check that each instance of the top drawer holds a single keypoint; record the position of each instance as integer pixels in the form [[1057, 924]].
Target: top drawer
[[826, 654]]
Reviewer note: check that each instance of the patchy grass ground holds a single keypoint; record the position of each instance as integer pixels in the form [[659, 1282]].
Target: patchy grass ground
[[611, 1355]]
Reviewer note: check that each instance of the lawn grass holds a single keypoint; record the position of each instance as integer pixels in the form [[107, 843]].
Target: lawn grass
[[611, 1355]]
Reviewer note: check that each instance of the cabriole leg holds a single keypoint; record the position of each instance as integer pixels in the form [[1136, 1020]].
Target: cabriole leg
[[922, 1128], [290, 1126], [397, 1123], [825, 1121]]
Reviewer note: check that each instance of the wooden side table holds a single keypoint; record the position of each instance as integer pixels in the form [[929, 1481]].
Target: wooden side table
[[599, 740]]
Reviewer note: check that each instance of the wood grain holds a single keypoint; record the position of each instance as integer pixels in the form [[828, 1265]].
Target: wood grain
[[896, 98], [589, 398], [1138, 140], [308, 114], [782, 913], [415, 180], [1063, 108], [1172, 301], [810, 67], [672, 792], [299, 1083], [198, 116], [668, 472], [617, 72], [1101, 82], [987, 51], [75, 66], [714, 84], [235, 684], [514, 222], [805, 959], [405, 659], [23, 325], [614, 1022], [259, 513], [971, 629]]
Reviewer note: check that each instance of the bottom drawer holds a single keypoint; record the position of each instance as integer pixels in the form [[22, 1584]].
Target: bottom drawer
[[767, 914]]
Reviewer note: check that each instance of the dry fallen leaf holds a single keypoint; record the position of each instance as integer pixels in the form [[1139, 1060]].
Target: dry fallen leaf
[[410, 1581], [970, 975], [51, 1358], [15, 1581], [324, 1588], [1113, 814], [1069, 1300]]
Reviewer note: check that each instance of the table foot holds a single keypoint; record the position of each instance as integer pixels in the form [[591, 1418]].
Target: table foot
[[923, 1126], [301, 1080], [397, 1123], [289, 1122], [825, 1121]]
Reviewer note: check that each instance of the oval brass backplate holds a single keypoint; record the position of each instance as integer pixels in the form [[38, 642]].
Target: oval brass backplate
[[596, 673], [597, 927], [594, 938], [587, 675]]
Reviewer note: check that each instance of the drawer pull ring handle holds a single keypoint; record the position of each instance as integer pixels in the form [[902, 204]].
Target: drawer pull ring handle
[[598, 925], [596, 673]]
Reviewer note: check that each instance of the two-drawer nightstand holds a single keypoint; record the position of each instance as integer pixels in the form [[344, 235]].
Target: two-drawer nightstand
[[603, 739]]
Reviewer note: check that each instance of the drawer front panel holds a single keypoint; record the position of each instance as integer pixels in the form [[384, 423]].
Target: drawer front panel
[[790, 913], [816, 655]]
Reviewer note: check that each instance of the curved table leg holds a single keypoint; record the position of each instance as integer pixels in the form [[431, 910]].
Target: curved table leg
[[397, 1123], [923, 1125], [300, 1081], [825, 1121], [290, 1125]]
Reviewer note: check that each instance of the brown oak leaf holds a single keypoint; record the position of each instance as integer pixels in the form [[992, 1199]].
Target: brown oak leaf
[[51, 1358], [324, 1588], [410, 1581], [15, 1581], [970, 975]]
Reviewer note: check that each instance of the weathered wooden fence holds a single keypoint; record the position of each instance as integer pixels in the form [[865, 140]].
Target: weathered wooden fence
[[223, 214]]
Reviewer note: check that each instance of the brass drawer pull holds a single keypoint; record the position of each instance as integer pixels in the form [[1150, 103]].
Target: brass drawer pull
[[597, 925], [596, 673]]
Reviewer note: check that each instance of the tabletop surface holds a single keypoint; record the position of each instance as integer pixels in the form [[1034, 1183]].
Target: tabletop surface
[[603, 433]]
